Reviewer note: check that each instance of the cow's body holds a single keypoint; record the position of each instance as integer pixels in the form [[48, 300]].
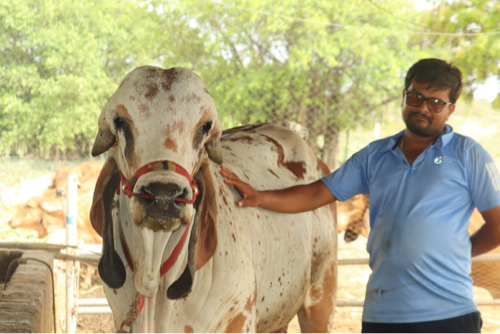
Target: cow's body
[[251, 269]]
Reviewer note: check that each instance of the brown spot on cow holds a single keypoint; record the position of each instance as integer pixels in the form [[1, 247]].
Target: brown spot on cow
[[188, 329], [236, 324], [171, 98], [144, 111], [206, 90], [273, 173], [234, 237], [298, 168], [251, 300], [194, 98], [325, 295], [168, 78], [170, 144], [151, 90], [248, 139], [321, 166], [132, 98]]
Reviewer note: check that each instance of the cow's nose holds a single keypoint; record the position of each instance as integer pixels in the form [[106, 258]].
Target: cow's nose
[[161, 191], [163, 201]]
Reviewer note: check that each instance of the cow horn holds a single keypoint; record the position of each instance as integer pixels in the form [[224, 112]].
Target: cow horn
[[111, 268], [214, 150], [103, 141]]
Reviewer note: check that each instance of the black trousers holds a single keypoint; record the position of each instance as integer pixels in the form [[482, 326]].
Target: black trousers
[[468, 323]]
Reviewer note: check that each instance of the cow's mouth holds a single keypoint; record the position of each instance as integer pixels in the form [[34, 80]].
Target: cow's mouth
[[161, 224]]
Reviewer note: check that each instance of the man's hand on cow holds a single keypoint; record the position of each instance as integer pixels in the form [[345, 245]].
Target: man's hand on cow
[[249, 196]]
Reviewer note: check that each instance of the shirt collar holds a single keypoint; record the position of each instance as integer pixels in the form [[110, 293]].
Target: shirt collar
[[441, 141]]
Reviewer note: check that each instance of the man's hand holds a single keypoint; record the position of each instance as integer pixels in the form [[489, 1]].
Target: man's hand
[[300, 198], [250, 197]]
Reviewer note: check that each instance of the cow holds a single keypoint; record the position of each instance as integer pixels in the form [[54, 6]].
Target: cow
[[178, 254], [86, 173], [353, 218], [47, 213]]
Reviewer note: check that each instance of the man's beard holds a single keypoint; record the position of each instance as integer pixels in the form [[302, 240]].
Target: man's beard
[[417, 127]]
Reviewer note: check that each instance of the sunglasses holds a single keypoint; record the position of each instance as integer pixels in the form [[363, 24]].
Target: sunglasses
[[434, 105]]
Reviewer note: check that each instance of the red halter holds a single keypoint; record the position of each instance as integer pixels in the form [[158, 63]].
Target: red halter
[[128, 185]]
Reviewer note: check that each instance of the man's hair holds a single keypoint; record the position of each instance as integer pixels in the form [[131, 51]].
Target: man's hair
[[438, 74]]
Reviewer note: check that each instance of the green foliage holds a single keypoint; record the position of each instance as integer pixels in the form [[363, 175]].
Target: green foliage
[[60, 61], [324, 64], [475, 47], [329, 65]]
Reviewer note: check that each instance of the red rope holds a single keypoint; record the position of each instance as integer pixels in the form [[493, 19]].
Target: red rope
[[159, 165]]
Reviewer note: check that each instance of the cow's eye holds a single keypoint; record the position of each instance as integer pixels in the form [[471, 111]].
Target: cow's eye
[[207, 126], [119, 122]]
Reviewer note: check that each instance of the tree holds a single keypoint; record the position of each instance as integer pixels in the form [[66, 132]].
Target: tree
[[471, 37], [327, 65], [60, 61]]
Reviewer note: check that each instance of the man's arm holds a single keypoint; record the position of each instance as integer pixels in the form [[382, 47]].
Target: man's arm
[[488, 236], [290, 200]]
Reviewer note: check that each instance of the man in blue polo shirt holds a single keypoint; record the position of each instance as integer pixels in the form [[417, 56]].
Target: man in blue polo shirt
[[424, 183]]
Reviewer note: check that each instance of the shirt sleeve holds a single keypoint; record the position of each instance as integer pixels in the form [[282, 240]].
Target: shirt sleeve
[[484, 180], [351, 178]]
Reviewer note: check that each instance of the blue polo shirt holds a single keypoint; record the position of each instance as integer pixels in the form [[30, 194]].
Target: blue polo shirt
[[420, 250]]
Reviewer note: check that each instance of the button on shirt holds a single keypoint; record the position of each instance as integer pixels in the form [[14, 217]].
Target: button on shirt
[[419, 246]]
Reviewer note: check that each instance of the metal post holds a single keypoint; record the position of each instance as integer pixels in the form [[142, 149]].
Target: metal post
[[71, 237]]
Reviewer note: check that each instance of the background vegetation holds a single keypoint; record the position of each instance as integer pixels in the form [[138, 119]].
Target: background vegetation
[[328, 65]]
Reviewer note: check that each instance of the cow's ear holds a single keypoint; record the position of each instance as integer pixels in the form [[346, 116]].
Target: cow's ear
[[111, 268], [203, 239], [103, 141], [207, 215], [214, 150], [96, 210]]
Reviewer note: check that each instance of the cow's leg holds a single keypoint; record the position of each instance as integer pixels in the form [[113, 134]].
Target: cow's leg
[[316, 315]]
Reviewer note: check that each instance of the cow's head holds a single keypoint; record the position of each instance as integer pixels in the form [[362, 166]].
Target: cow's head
[[157, 124]]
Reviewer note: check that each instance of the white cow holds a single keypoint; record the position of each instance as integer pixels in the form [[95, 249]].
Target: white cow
[[178, 254]]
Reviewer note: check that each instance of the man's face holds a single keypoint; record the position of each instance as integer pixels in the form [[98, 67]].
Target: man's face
[[420, 120]]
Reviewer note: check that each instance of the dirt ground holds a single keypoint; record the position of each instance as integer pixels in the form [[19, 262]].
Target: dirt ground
[[352, 280]]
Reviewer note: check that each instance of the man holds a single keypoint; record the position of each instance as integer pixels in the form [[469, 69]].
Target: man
[[423, 183]]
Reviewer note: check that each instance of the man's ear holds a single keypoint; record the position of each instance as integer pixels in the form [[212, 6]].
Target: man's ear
[[452, 109]]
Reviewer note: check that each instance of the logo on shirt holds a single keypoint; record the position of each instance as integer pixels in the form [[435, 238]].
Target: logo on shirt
[[438, 160]]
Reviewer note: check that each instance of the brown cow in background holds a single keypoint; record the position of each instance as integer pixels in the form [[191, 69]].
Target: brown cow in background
[[47, 213]]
